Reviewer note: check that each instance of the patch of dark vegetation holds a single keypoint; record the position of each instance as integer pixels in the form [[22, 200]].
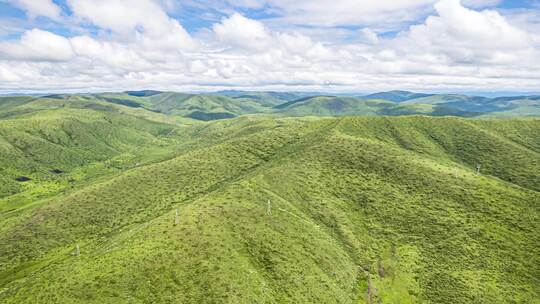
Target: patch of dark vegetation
[[397, 111], [143, 93], [511, 98], [55, 96], [99, 107], [210, 116], [16, 113], [289, 103], [397, 96], [376, 104], [56, 171], [247, 96], [337, 105], [123, 102], [471, 106], [441, 110], [23, 179], [438, 110]]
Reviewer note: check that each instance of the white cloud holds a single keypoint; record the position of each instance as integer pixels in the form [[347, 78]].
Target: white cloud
[[37, 45], [350, 12], [110, 54], [347, 12], [142, 20], [295, 43], [469, 36], [239, 31], [243, 33], [369, 36], [7, 75], [36, 8], [139, 45]]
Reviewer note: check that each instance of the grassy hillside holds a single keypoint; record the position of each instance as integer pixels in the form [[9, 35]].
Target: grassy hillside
[[173, 107], [197, 106], [331, 106], [49, 145], [396, 96], [334, 210], [267, 99], [520, 107], [346, 106], [16, 106]]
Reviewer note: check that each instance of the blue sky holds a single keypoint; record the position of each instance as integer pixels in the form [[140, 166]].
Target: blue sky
[[197, 16], [332, 45]]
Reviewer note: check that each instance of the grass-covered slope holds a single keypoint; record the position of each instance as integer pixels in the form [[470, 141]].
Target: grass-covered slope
[[171, 107], [347, 106], [463, 105], [197, 106], [331, 106], [11, 107], [397, 96], [265, 98], [46, 146], [348, 210]]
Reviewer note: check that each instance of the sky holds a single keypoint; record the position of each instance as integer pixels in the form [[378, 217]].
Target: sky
[[284, 45]]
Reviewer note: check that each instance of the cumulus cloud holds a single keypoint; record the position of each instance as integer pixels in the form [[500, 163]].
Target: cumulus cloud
[[142, 20], [295, 43], [463, 35], [8, 75], [37, 45], [350, 12], [138, 44], [246, 34], [461, 26], [110, 54], [239, 31], [36, 8], [369, 36]]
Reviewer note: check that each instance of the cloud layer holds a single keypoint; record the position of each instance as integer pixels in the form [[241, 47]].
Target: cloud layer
[[120, 44]]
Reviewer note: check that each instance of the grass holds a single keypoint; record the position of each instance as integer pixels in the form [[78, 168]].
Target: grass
[[333, 106], [70, 140], [361, 209]]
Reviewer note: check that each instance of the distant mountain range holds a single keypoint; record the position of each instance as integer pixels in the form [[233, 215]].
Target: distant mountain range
[[229, 104]]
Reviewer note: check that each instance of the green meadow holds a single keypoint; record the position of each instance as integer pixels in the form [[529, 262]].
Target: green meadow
[[268, 198]]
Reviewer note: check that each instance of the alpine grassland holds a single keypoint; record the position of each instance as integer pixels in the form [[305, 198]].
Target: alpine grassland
[[110, 202], [270, 152]]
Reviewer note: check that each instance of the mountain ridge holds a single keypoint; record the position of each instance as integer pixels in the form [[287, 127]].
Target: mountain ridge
[[229, 104]]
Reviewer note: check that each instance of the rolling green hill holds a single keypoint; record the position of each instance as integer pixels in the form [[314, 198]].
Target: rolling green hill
[[410, 103], [396, 96], [443, 98], [331, 106], [274, 210], [197, 106], [399, 103], [266, 98], [192, 108], [462, 105], [16, 106], [54, 144]]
